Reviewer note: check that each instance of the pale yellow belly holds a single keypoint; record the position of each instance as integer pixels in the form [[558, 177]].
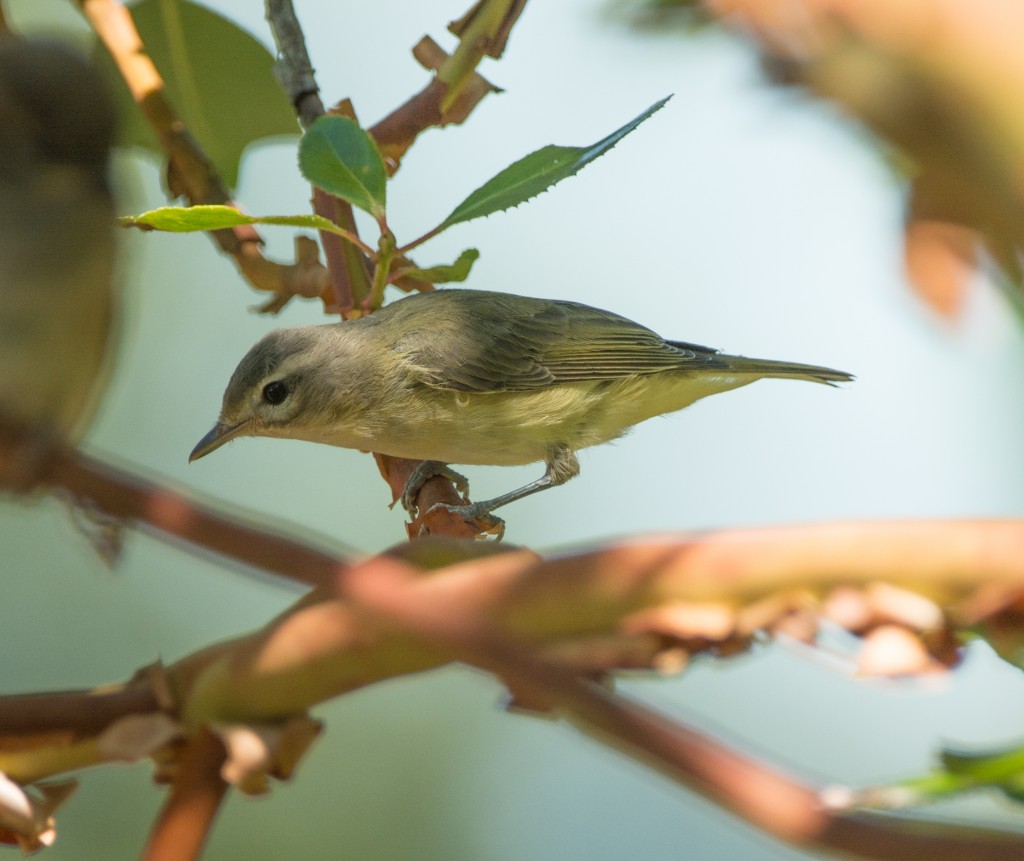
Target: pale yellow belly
[[510, 428]]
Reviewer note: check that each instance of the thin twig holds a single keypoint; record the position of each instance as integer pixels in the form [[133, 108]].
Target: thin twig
[[186, 818], [293, 69]]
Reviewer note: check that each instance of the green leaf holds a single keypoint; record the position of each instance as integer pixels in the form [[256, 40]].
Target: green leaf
[[188, 219], [536, 173], [457, 271], [342, 159], [217, 76], [1001, 769]]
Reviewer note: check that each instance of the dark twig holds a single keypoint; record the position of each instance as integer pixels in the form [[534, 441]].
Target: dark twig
[[78, 713], [293, 70]]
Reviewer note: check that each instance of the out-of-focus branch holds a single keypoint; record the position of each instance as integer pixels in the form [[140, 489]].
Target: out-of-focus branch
[[188, 814], [321, 648], [503, 609], [26, 462], [785, 806], [189, 172], [943, 81]]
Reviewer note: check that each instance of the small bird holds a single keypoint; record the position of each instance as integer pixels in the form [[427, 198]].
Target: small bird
[[476, 377]]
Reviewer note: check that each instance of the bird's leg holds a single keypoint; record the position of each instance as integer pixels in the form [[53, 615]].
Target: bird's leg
[[425, 471], [561, 466]]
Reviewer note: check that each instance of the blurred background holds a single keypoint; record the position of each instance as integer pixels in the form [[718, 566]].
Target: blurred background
[[742, 216]]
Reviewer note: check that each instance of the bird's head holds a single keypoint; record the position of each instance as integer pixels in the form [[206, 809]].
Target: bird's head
[[283, 387]]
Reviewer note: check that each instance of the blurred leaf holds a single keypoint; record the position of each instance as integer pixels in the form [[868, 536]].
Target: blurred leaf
[[960, 772], [188, 219], [985, 765], [338, 156], [658, 15], [536, 173], [457, 271], [217, 76]]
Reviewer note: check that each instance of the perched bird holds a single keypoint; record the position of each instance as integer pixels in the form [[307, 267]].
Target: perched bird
[[474, 377]]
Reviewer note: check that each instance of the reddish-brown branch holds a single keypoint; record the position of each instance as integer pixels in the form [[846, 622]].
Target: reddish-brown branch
[[187, 816], [399, 129], [393, 620], [78, 713], [319, 648], [437, 490], [764, 796], [174, 516], [938, 79]]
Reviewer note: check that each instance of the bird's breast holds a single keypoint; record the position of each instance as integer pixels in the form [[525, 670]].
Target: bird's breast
[[511, 428]]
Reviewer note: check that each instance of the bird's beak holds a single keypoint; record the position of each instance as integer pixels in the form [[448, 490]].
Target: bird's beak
[[218, 435]]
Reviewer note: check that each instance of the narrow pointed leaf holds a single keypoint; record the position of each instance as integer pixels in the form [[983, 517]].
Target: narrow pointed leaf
[[457, 271], [536, 173], [188, 219], [342, 159]]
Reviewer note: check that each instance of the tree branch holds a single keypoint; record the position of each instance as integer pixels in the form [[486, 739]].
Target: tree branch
[[494, 606], [785, 806], [26, 462], [187, 816], [293, 70]]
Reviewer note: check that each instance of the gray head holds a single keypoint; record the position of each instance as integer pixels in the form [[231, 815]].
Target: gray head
[[280, 387]]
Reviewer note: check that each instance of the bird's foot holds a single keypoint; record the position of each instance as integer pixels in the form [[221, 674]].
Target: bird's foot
[[427, 470], [478, 512]]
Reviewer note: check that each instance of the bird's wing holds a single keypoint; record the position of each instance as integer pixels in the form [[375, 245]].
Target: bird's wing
[[490, 342]]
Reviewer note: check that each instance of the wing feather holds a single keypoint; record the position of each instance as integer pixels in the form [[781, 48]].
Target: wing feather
[[491, 342]]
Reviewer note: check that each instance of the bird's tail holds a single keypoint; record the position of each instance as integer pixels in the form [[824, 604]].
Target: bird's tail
[[786, 370]]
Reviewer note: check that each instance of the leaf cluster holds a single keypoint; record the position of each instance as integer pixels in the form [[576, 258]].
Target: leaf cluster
[[339, 157]]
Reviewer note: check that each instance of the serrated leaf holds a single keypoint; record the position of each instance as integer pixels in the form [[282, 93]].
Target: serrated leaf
[[217, 76], [335, 154], [536, 173], [457, 271], [189, 219]]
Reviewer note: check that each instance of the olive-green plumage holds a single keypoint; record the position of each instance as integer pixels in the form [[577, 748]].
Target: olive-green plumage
[[468, 376]]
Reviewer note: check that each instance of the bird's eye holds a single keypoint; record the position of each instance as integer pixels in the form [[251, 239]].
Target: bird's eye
[[275, 392]]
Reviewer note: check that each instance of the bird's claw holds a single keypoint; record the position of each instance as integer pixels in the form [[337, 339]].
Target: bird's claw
[[476, 511], [425, 471]]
